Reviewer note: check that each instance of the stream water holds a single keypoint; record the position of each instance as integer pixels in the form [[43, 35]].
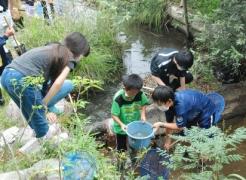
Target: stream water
[[240, 166], [143, 44]]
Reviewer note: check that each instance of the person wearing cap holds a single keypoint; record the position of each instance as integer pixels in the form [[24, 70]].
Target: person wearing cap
[[170, 67], [191, 108]]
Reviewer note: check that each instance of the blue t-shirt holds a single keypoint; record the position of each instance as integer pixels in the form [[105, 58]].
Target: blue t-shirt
[[193, 108]]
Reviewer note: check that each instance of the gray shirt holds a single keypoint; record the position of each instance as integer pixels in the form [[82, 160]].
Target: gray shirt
[[36, 62]]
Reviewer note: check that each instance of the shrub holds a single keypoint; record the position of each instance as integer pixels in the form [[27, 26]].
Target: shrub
[[205, 151], [224, 41], [101, 33]]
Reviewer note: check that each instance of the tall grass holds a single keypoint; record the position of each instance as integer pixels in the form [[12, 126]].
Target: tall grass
[[105, 50], [148, 12], [205, 7], [152, 13]]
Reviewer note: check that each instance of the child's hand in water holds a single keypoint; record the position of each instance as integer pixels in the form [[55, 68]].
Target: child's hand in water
[[143, 120], [157, 125], [123, 127]]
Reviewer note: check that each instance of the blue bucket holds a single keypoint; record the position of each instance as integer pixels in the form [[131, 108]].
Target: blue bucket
[[78, 165], [219, 102], [139, 134]]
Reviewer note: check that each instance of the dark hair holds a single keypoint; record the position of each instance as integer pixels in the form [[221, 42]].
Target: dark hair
[[132, 81], [77, 44], [184, 59], [162, 94], [60, 58]]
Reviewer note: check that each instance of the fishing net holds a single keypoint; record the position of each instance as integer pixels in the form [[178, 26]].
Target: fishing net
[[152, 167]]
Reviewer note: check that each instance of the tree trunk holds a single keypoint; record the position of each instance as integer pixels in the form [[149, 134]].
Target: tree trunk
[[186, 19]]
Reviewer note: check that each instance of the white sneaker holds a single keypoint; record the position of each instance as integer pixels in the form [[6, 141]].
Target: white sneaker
[[54, 129]]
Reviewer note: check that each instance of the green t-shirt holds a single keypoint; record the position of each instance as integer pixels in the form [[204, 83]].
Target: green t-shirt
[[127, 111]]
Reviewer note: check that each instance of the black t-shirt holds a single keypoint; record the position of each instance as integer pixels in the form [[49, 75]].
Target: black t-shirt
[[162, 65], [4, 4]]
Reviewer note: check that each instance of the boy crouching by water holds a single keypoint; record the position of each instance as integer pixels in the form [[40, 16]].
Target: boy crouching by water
[[188, 108], [129, 104]]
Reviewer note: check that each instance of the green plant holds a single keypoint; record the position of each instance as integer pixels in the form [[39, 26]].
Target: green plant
[[99, 29], [204, 78], [205, 7], [151, 13], [148, 12], [205, 151], [80, 139], [224, 41]]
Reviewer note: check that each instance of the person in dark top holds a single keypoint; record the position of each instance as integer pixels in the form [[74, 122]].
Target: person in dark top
[[191, 108], [5, 59], [52, 63], [45, 8], [170, 67]]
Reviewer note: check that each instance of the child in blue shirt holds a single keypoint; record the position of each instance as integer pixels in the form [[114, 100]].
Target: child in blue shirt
[[190, 107]]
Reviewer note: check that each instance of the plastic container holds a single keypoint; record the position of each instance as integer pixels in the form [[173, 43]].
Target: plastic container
[[139, 134], [38, 9], [78, 165], [219, 102]]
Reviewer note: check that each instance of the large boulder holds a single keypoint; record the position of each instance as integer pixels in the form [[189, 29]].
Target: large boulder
[[235, 99]]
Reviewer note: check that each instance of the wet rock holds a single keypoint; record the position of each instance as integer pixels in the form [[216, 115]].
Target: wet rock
[[235, 98], [177, 14], [97, 127]]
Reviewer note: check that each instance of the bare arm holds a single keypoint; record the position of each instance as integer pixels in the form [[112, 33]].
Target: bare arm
[[172, 126], [167, 139], [56, 86], [158, 80], [117, 119], [10, 5], [182, 83], [143, 113]]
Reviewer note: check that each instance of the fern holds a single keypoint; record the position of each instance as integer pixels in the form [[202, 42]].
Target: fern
[[206, 150]]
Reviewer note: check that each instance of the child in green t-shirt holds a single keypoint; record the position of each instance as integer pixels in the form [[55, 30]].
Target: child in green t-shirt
[[129, 104]]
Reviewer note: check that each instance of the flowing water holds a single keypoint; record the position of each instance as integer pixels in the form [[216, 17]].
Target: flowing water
[[143, 44], [136, 58], [240, 166]]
